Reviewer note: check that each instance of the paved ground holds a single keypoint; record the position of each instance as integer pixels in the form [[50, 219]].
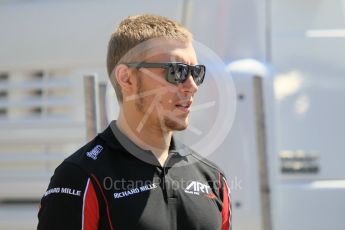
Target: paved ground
[[18, 216]]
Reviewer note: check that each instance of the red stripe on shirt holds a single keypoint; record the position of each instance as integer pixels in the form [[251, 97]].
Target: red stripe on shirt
[[226, 208], [90, 209], [105, 201]]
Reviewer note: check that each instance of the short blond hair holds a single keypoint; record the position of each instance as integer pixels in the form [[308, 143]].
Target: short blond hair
[[137, 29]]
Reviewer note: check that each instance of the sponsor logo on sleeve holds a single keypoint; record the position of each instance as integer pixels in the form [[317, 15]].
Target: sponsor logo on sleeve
[[69, 191], [93, 154]]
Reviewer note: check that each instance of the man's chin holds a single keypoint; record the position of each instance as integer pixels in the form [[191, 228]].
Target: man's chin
[[176, 125]]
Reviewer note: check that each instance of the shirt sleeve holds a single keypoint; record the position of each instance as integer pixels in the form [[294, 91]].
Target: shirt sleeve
[[226, 208], [70, 201]]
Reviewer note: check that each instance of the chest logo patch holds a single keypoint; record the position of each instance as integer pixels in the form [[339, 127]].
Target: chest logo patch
[[198, 188], [93, 154]]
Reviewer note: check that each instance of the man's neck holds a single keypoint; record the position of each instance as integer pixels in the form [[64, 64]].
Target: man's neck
[[146, 137]]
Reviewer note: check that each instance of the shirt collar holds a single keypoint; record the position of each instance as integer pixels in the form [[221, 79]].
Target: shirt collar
[[116, 139]]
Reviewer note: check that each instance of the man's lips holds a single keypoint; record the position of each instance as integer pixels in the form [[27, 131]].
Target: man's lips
[[184, 106]]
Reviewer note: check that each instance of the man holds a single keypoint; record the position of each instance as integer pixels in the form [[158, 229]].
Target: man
[[134, 175]]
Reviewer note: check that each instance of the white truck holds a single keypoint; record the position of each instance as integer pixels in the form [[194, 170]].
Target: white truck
[[284, 63]]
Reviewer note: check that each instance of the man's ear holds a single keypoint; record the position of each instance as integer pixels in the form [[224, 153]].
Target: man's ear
[[122, 75]]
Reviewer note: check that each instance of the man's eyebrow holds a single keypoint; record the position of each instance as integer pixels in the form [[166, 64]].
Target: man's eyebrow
[[177, 58], [182, 60]]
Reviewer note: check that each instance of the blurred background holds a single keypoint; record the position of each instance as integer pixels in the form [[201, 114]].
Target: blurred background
[[283, 155]]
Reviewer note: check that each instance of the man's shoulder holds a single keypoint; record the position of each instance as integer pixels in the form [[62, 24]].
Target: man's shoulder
[[92, 150], [204, 162], [98, 153], [77, 164]]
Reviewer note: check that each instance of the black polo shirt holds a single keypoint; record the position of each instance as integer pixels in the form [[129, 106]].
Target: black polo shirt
[[111, 183]]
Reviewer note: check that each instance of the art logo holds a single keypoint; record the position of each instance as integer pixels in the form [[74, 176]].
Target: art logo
[[197, 188]]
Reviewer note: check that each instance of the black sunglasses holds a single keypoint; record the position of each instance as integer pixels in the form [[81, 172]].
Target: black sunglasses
[[177, 72]]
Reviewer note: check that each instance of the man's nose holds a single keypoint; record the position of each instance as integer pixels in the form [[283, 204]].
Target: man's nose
[[189, 86]]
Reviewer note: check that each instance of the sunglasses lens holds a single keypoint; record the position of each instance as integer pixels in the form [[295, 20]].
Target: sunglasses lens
[[183, 72], [198, 73], [177, 74]]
